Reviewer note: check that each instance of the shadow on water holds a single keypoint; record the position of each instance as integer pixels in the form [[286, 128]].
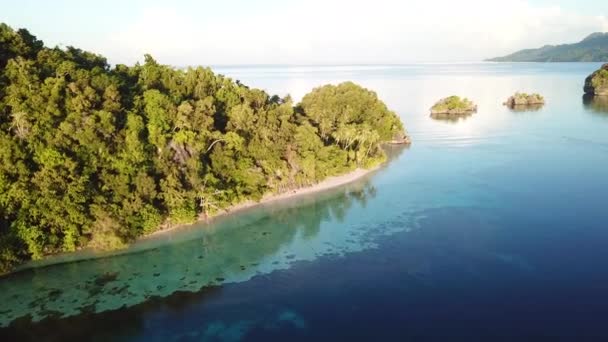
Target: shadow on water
[[103, 326], [596, 104]]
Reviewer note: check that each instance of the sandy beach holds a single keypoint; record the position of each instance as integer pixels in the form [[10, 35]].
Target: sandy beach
[[328, 183]]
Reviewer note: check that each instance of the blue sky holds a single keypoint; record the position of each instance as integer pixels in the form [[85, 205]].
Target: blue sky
[[305, 32]]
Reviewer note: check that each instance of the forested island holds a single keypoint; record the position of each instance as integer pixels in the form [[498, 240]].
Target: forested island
[[523, 100], [93, 155], [453, 106], [596, 84], [594, 48]]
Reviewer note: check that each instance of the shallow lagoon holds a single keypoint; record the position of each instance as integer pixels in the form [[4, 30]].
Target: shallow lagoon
[[491, 225]]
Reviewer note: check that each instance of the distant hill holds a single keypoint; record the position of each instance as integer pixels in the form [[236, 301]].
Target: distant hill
[[594, 48]]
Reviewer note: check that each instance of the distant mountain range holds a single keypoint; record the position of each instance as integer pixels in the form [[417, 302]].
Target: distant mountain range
[[594, 48]]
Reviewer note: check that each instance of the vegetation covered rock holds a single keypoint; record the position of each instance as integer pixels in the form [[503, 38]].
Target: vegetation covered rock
[[523, 100], [453, 106], [597, 82], [93, 155]]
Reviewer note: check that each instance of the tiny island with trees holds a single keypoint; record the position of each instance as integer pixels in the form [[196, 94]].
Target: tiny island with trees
[[96, 156], [524, 101], [596, 84], [453, 106]]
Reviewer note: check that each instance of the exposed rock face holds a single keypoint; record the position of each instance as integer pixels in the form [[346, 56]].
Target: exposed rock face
[[400, 140], [519, 100], [597, 82], [453, 106]]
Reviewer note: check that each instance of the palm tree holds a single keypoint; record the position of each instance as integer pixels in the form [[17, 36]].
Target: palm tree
[[20, 125]]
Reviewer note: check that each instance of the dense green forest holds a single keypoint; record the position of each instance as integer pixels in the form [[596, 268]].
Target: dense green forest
[[594, 48], [94, 155]]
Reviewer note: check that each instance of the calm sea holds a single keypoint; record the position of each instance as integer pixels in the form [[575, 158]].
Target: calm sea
[[492, 227]]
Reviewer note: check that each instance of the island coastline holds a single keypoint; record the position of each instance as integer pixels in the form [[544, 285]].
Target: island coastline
[[326, 184], [127, 151], [88, 253]]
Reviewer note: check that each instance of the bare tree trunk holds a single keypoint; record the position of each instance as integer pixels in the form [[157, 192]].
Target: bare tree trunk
[[213, 143]]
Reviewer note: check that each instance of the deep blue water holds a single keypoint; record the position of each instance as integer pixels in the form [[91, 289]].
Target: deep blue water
[[493, 227]]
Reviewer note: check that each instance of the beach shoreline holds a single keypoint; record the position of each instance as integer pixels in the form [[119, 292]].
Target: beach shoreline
[[89, 253], [326, 184]]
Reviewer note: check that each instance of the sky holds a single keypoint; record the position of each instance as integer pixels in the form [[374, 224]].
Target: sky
[[311, 32]]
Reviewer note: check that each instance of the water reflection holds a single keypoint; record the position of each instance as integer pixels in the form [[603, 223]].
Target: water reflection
[[596, 104], [526, 108], [451, 118]]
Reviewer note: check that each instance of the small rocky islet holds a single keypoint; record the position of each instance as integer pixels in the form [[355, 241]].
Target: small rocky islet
[[596, 84], [524, 102], [523, 99], [453, 106]]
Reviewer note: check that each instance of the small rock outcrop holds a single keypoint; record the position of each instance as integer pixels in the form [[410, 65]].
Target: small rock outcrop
[[453, 106], [400, 139], [519, 100], [597, 83]]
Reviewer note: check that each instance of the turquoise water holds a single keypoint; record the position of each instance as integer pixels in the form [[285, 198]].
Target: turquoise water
[[491, 225]]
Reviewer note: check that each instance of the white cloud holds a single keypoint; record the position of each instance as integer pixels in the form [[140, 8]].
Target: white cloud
[[163, 32], [356, 31]]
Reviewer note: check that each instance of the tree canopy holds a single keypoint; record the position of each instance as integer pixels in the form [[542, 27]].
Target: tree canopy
[[94, 155]]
